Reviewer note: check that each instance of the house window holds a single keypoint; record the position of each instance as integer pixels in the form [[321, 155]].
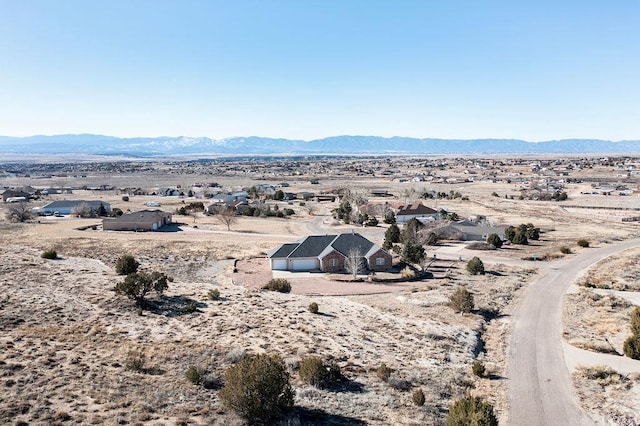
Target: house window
[[333, 262], [380, 261]]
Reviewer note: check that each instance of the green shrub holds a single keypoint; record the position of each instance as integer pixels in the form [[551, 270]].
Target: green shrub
[[478, 368], [137, 285], [125, 198], [313, 308], [471, 411], [510, 233], [49, 254], [383, 372], [214, 294], [192, 307], [418, 397], [135, 360], [583, 243], [461, 300], [475, 266], [126, 265], [278, 284], [314, 372], [194, 375], [635, 321], [494, 240], [258, 389], [565, 250], [631, 347], [520, 238]]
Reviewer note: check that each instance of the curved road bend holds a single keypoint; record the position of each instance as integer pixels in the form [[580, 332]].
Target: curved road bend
[[540, 387]]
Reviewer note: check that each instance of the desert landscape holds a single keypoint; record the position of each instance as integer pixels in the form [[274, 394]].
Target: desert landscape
[[77, 352]]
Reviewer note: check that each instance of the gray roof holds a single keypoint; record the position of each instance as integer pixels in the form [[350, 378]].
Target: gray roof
[[320, 245], [312, 246], [284, 250], [74, 203], [345, 242], [143, 216]]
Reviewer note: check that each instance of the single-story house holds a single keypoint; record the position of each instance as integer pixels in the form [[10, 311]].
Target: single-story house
[[66, 207], [13, 193], [418, 211], [328, 253], [144, 220], [472, 231]]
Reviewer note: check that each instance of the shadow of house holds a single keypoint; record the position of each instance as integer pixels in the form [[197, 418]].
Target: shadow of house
[[145, 220]]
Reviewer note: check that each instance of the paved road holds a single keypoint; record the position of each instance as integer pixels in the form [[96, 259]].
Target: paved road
[[540, 388]]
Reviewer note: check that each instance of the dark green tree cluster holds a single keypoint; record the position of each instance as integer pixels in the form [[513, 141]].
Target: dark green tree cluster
[[413, 252], [631, 346], [522, 234], [391, 236], [343, 212]]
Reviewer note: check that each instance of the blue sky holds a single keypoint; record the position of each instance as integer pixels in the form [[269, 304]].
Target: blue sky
[[304, 69]]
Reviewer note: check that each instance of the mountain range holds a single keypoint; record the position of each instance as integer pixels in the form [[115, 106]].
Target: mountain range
[[336, 145]]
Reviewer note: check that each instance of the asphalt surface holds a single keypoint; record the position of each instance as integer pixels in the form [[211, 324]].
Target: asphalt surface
[[540, 387]]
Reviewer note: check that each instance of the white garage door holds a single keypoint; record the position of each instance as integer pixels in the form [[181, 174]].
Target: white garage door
[[304, 264], [279, 264]]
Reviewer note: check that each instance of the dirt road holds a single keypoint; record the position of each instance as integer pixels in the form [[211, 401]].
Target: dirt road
[[540, 388]]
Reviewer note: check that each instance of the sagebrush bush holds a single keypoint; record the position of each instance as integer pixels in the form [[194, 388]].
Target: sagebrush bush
[[194, 375], [191, 307], [478, 368], [471, 411], [635, 321], [126, 265], [135, 360], [475, 266], [258, 389], [280, 285], [418, 397], [583, 243], [313, 308], [565, 250], [214, 294], [631, 347], [314, 372], [461, 300], [49, 254], [137, 285], [383, 372]]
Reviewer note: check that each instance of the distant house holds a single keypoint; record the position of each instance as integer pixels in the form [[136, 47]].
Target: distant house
[[12, 193], [418, 211], [304, 195], [465, 230], [66, 207], [145, 220], [229, 200], [328, 253]]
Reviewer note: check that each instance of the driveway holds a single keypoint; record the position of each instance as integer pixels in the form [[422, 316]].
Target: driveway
[[540, 387]]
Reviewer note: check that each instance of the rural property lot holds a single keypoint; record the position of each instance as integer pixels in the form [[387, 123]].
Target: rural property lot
[[68, 339]]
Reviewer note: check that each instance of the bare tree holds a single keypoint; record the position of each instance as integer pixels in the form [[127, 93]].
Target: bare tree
[[83, 210], [409, 195], [227, 217], [354, 263], [310, 207], [19, 212]]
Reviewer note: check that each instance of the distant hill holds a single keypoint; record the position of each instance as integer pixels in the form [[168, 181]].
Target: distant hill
[[338, 145]]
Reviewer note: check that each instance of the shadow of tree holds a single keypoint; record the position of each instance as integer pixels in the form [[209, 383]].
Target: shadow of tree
[[310, 416], [174, 306]]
